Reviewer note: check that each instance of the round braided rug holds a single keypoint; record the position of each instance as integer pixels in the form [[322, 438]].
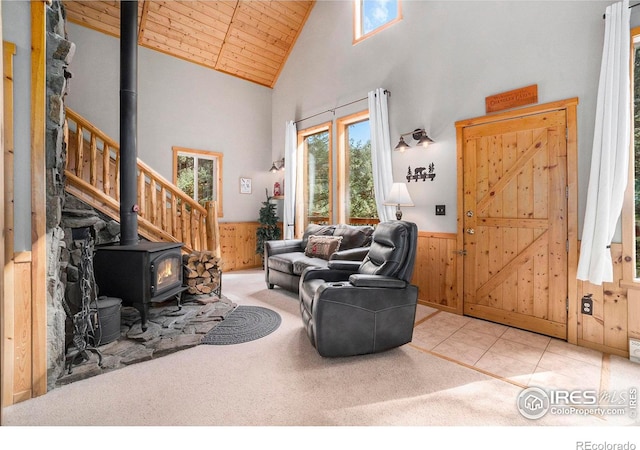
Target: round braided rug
[[243, 324]]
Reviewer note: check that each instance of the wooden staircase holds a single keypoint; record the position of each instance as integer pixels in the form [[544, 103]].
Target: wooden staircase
[[166, 213]]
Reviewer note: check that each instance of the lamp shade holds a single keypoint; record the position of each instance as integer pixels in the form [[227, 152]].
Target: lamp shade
[[399, 196], [402, 145], [424, 140]]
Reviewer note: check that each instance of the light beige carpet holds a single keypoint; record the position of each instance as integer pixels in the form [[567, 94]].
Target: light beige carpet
[[280, 380]]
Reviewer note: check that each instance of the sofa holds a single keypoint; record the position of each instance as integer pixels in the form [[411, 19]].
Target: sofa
[[369, 308], [286, 259]]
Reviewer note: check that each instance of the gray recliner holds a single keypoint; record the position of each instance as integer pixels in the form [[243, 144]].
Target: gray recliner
[[351, 308]]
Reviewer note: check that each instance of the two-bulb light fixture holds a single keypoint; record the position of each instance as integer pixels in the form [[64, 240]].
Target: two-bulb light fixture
[[419, 135], [277, 166]]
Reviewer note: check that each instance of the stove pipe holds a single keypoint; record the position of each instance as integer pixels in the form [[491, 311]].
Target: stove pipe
[[128, 122]]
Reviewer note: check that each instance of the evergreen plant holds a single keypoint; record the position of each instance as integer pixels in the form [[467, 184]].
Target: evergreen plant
[[268, 230]]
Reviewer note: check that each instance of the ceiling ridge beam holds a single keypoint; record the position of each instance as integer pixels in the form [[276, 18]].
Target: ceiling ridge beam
[[143, 20], [226, 36]]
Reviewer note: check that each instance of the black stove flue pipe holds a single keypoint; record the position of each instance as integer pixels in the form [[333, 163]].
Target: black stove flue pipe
[[128, 122]]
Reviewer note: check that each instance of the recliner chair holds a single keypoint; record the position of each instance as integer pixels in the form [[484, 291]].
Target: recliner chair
[[351, 308]]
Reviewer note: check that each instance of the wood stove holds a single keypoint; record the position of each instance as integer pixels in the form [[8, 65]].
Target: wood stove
[[140, 274]]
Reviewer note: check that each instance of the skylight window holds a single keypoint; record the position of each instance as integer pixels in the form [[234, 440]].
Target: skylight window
[[371, 16]]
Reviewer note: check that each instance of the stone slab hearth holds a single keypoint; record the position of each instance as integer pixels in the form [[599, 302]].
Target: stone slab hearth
[[169, 330]]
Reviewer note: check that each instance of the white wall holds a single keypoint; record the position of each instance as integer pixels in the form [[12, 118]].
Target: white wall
[[179, 104], [16, 28], [440, 62]]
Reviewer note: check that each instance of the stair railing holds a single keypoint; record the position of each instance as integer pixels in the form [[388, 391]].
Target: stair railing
[[166, 213]]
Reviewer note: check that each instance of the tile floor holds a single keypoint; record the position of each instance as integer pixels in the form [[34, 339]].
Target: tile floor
[[515, 356], [518, 356]]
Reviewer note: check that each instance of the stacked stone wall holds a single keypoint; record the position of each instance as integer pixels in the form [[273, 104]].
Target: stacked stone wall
[[60, 52], [65, 214]]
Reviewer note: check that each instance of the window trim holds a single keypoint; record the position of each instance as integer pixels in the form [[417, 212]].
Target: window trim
[[357, 22], [195, 152], [300, 175], [629, 279]]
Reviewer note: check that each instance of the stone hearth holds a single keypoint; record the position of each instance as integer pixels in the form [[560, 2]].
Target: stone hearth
[[169, 330]]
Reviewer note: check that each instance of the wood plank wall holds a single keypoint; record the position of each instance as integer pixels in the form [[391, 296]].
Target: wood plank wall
[[17, 370], [238, 246], [435, 271], [22, 373], [615, 317], [616, 312], [616, 308], [434, 274]]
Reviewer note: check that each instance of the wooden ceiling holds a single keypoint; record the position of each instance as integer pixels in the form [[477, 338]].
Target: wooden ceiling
[[249, 39]]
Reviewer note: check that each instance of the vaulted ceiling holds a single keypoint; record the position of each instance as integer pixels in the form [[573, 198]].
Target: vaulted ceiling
[[249, 39]]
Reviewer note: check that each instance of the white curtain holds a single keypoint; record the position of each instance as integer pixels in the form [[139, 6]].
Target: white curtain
[[381, 152], [610, 154], [290, 167]]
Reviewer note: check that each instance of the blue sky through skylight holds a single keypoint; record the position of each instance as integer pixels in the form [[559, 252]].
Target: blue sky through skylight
[[376, 13]]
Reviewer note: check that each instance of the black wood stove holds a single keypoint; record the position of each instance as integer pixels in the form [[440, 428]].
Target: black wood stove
[[140, 274], [137, 272]]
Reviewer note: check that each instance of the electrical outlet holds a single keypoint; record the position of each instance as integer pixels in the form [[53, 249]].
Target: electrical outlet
[[587, 305], [440, 210], [634, 350]]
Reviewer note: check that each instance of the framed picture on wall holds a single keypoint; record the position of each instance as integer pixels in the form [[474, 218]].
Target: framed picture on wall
[[245, 185]]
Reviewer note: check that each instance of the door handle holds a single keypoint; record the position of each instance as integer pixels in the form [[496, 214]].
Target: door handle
[[471, 231]]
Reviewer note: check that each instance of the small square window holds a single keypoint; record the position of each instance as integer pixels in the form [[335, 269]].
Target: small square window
[[371, 16]]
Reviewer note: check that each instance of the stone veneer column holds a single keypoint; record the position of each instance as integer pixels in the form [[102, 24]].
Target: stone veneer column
[[60, 51], [64, 212]]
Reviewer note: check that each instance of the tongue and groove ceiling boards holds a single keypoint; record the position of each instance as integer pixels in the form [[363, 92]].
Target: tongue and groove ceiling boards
[[249, 39]]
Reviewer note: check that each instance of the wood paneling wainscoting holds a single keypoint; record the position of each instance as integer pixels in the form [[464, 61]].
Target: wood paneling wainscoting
[[17, 377], [616, 312], [616, 305], [238, 245], [436, 271], [22, 352]]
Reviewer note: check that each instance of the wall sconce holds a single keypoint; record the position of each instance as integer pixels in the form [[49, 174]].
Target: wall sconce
[[420, 174], [398, 196], [419, 135], [277, 166]]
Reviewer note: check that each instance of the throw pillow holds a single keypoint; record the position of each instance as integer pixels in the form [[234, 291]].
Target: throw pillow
[[322, 246], [354, 235], [314, 229]]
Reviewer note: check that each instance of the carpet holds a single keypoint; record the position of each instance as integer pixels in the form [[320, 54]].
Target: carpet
[[243, 324]]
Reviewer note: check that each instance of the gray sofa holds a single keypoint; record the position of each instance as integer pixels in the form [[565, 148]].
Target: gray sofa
[[285, 260]]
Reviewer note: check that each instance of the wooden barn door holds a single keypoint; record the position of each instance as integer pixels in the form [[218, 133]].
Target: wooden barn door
[[514, 219]]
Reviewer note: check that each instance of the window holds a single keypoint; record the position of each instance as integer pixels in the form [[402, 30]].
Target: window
[[356, 196], [371, 16], [199, 174], [315, 181], [631, 208], [353, 186]]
